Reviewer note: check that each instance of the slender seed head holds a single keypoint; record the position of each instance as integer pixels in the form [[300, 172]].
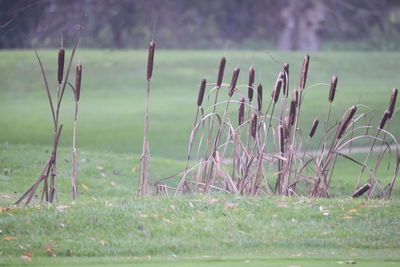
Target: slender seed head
[[254, 126], [292, 113], [221, 72], [313, 128], [241, 111], [385, 118], [60, 72], [150, 60], [286, 79], [345, 123], [333, 88], [202, 89], [277, 89], [78, 79], [281, 139], [392, 103], [252, 72], [359, 192], [304, 71], [232, 85], [259, 97]]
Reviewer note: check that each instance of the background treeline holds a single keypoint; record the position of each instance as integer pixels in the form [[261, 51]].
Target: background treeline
[[183, 24]]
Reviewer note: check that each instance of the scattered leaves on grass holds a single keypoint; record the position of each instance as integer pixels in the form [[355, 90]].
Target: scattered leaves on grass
[[62, 207], [282, 204], [229, 206], [167, 221], [143, 215], [85, 187], [113, 183], [8, 238], [99, 167], [26, 256], [352, 211], [49, 251], [351, 262]]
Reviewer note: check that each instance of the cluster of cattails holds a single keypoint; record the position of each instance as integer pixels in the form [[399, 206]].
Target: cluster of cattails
[[240, 158]]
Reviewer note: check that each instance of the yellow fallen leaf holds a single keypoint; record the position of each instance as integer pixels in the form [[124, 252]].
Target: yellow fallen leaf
[[99, 167], [143, 215], [348, 217], [133, 170], [112, 183], [26, 256], [9, 237], [85, 187], [102, 243], [352, 211], [167, 221]]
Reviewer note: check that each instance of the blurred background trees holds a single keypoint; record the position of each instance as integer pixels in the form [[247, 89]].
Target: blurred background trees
[[190, 24]]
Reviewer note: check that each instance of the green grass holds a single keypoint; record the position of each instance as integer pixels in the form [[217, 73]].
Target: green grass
[[112, 102]]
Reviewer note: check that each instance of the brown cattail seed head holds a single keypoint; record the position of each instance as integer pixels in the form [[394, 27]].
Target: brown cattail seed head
[[304, 71], [281, 139], [78, 79], [392, 103], [296, 96], [259, 97], [221, 72], [286, 79], [202, 89], [252, 73], [232, 85], [313, 128], [241, 110], [60, 73], [150, 60], [254, 126], [277, 90], [359, 192], [292, 113], [345, 123], [333, 88], [384, 119]]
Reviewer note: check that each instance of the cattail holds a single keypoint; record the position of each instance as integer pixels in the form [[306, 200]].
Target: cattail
[[202, 89], [361, 190], [150, 60], [78, 79], [281, 139], [286, 79], [346, 121], [392, 103], [254, 126], [221, 72], [296, 96], [277, 89], [232, 85], [384, 119], [304, 71], [241, 111], [60, 73], [259, 97], [252, 72], [292, 113], [313, 128], [333, 88]]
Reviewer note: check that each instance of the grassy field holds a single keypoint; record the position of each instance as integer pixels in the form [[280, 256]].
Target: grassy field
[[108, 225], [112, 102]]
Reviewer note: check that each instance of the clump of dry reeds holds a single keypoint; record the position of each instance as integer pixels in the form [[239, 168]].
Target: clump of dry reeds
[[266, 153]]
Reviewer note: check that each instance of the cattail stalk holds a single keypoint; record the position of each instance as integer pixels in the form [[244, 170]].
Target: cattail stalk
[[259, 97], [286, 79], [292, 112], [277, 90], [202, 89], [385, 118], [304, 72], [74, 173]]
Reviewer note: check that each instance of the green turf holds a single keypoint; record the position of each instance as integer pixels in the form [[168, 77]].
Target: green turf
[[112, 101]]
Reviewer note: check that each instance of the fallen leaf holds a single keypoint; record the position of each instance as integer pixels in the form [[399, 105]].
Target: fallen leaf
[[26, 256], [62, 207], [102, 243], [213, 200], [107, 204], [99, 167], [49, 251], [167, 221], [85, 187], [282, 204], [102, 174], [348, 217], [325, 213], [173, 207], [133, 170], [112, 183], [143, 215], [351, 262], [296, 255], [8, 238], [229, 206], [352, 211]]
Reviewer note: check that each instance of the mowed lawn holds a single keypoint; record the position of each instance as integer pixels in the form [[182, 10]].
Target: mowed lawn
[[108, 225]]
